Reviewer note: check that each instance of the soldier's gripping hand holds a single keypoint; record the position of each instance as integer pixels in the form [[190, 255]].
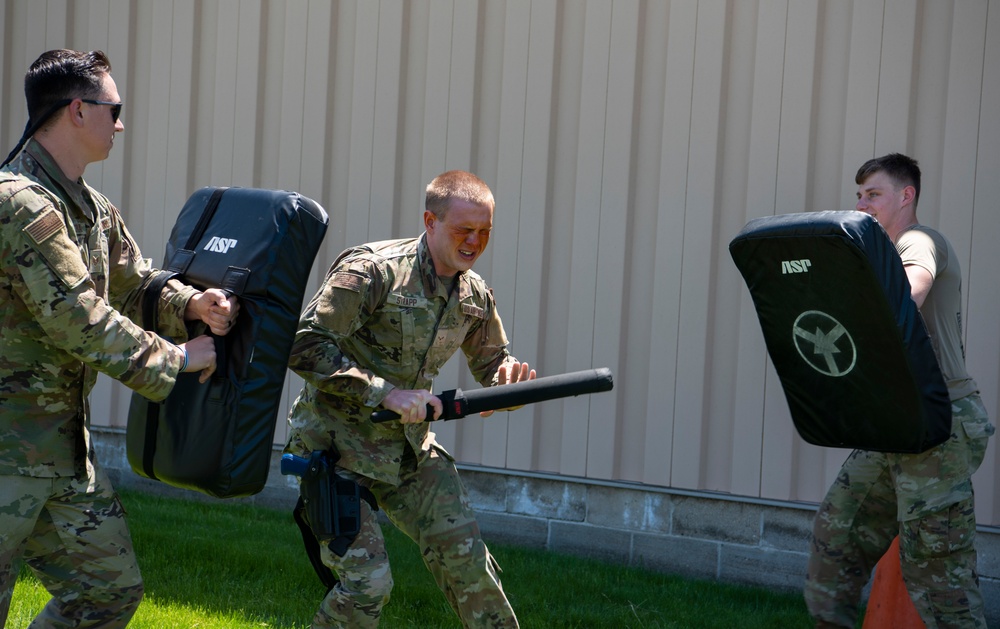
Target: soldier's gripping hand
[[216, 308], [411, 404], [509, 373], [201, 356]]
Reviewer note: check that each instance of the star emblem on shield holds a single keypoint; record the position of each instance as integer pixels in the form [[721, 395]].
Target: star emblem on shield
[[824, 343]]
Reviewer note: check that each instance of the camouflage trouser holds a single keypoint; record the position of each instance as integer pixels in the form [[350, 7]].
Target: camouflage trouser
[[75, 539], [431, 506], [924, 498]]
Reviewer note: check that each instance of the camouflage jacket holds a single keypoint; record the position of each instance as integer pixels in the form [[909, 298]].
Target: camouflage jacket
[[70, 278], [383, 319]]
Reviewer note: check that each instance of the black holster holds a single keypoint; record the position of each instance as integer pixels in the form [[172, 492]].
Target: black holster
[[329, 510]]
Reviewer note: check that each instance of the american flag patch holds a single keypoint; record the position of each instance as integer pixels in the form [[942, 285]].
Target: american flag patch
[[45, 226], [350, 281]]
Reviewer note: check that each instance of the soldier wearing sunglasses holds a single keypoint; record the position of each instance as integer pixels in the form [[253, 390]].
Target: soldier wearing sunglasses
[[71, 282]]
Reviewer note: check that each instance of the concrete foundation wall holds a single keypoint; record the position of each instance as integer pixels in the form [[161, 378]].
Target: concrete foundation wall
[[694, 534]]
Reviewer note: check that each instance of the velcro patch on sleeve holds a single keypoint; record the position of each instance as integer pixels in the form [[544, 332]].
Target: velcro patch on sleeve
[[473, 311], [63, 256], [45, 226], [350, 281]]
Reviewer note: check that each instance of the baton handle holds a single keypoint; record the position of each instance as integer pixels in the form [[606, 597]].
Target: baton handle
[[385, 415]]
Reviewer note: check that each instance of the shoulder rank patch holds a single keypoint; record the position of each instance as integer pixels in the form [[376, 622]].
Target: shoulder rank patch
[[350, 281], [45, 226], [472, 310]]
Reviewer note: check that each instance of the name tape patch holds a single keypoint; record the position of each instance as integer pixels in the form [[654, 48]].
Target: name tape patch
[[403, 300]]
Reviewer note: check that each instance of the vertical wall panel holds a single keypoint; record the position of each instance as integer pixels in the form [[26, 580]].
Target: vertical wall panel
[[983, 290], [627, 141], [336, 130], [829, 184], [926, 136], [178, 120], [561, 207], [523, 435], [660, 448], [513, 429], [464, 83], [616, 215], [246, 92], [291, 115], [699, 261], [316, 105], [630, 412], [962, 128], [581, 324], [225, 41], [388, 99], [739, 393], [866, 44], [420, 34], [155, 107], [11, 98], [895, 73], [797, 107], [436, 91], [270, 98], [361, 179]]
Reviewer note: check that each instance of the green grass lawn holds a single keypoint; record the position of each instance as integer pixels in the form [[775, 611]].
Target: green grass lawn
[[234, 566]]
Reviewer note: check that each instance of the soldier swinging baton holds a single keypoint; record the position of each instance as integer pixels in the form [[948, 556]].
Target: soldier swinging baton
[[331, 504]]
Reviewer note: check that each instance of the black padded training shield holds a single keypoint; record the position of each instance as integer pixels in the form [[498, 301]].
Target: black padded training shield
[[846, 339], [217, 437]]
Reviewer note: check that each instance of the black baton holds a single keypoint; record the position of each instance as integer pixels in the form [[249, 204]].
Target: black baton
[[458, 403]]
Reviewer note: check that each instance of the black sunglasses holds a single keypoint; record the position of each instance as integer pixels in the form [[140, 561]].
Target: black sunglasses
[[116, 108]]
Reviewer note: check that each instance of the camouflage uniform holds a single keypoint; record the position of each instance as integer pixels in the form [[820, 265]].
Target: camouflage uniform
[[926, 498], [382, 310], [70, 276]]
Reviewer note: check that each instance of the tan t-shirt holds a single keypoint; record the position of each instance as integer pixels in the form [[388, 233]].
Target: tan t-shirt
[[942, 310]]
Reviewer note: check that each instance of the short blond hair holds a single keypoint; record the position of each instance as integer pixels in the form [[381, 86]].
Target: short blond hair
[[456, 185]]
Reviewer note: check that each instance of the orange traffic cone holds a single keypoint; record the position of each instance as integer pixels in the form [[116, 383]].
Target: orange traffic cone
[[889, 605]]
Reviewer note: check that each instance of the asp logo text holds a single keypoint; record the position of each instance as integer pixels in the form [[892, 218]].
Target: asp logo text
[[220, 245], [795, 266]]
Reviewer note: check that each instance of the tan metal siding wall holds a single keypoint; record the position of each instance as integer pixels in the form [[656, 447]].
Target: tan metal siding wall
[[626, 142]]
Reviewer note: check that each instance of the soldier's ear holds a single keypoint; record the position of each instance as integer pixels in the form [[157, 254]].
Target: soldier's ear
[[75, 111], [909, 194]]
